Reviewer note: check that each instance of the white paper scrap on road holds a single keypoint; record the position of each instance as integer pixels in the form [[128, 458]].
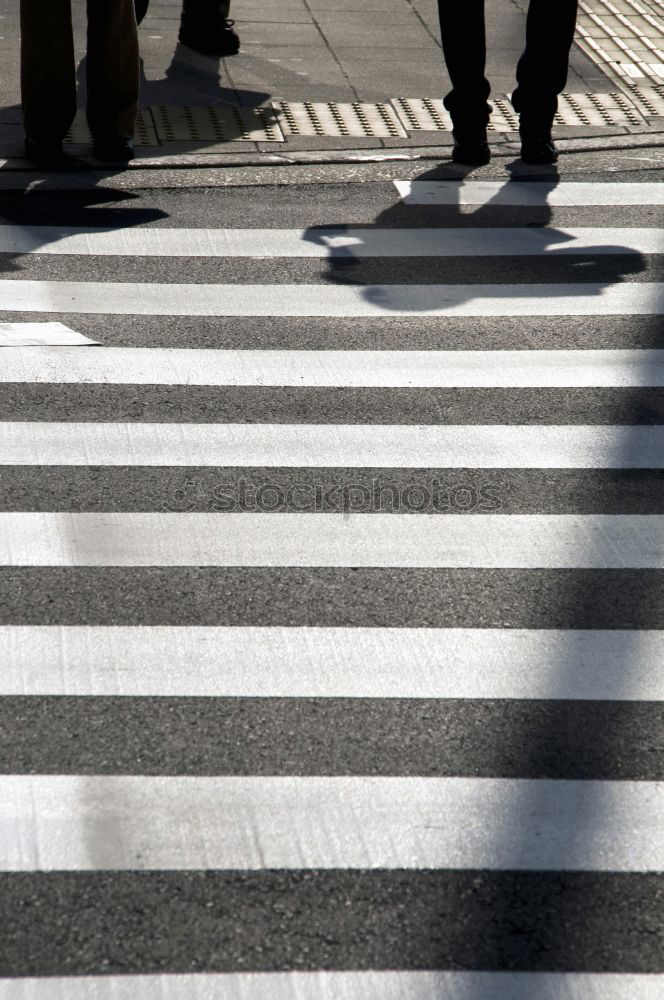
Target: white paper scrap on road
[[350, 369], [306, 662], [493, 446], [324, 242], [334, 300], [557, 195], [493, 541], [37, 335], [82, 823], [371, 985]]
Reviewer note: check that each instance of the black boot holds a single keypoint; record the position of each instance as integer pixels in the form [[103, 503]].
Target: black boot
[[471, 146], [203, 29], [535, 124], [48, 153], [538, 147], [113, 148]]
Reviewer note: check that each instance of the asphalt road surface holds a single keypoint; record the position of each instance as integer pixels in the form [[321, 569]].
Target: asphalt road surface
[[332, 591]]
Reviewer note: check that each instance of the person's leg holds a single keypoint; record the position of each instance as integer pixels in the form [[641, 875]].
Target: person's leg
[[204, 27], [48, 77], [112, 69], [462, 31], [542, 69]]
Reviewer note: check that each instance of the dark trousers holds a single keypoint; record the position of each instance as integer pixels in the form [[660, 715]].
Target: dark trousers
[[541, 72], [48, 73]]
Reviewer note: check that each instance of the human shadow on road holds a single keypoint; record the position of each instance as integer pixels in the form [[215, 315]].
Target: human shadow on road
[[443, 283], [37, 217], [527, 912]]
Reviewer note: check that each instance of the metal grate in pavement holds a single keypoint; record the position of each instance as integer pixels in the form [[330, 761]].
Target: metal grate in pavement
[[145, 134], [334, 119], [218, 123], [624, 37]]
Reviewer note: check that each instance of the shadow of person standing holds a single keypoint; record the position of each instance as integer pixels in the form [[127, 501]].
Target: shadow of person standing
[[443, 279]]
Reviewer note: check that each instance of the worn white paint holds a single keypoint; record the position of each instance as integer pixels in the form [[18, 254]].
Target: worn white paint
[[333, 445], [290, 662]]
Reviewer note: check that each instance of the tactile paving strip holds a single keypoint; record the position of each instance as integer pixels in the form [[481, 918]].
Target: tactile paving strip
[[604, 110], [333, 119], [145, 134], [428, 114], [624, 37], [649, 100], [218, 123]]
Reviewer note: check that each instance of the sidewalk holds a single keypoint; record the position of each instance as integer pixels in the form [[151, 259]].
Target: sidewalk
[[299, 51]]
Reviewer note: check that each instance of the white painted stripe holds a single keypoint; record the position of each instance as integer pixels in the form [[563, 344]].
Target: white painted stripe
[[327, 242], [520, 541], [439, 369], [342, 986], [148, 299], [569, 193], [77, 822], [324, 445], [272, 662], [37, 335]]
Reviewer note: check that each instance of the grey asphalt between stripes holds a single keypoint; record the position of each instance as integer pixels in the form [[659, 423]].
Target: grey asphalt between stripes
[[399, 333], [576, 740], [579, 268], [466, 598], [462, 491], [287, 206], [334, 405], [78, 923]]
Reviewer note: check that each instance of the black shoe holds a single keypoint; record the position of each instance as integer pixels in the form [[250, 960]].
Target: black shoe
[[471, 147], [538, 149], [114, 149], [210, 34], [47, 153]]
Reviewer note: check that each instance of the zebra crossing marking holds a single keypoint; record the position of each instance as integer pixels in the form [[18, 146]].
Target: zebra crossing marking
[[39, 335], [350, 369], [565, 194], [81, 823], [324, 242], [160, 299], [486, 541], [120, 822], [319, 662], [495, 446], [348, 985]]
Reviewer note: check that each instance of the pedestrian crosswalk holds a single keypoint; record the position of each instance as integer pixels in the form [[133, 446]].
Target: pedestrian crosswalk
[[332, 662], [332, 301], [347, 369], [332, 654]]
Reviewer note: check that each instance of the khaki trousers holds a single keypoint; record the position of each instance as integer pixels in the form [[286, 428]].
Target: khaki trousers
[[48, 73]]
